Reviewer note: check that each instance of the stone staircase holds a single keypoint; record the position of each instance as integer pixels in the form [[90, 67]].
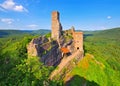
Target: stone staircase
[[66, 62]]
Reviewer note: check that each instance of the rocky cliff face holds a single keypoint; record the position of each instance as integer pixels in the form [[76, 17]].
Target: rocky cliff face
[[53, 56], [47, 51], [34, 48]]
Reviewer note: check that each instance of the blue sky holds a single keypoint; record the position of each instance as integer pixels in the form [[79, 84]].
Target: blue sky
[[82, 14]]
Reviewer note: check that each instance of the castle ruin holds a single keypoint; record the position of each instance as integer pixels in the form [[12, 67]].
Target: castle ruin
[[78, 40], [57, 32], [56, 26], [50, 51]]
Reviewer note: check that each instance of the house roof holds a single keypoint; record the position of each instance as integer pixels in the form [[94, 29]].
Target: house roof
[[64, 50]]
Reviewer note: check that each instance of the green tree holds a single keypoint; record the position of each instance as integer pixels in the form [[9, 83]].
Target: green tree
[[33, 72]]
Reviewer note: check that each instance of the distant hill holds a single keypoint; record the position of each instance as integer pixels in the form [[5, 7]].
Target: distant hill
[[5, 33], [111, 33], [41, 31]]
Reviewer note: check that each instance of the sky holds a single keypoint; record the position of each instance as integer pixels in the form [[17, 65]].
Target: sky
[[82, 14]]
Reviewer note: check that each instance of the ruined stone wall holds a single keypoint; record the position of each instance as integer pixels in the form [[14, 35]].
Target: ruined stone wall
[[66, 65], [56, 26]]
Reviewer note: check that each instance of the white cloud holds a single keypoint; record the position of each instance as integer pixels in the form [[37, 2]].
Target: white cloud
[[20, 8], [109, 17], [32, 26], [11, 5], [7, 20]]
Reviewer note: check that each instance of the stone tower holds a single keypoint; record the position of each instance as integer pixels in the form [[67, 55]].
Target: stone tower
[[56, 26], [78, 40]]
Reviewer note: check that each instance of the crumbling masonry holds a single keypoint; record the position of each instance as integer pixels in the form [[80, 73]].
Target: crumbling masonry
[[57, 32], [49, 51]]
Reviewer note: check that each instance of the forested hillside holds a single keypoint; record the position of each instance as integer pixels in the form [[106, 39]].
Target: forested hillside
[[101, 64], [15, 68]]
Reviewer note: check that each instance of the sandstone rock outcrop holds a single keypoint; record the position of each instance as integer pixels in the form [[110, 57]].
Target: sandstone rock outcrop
[[33, 48], [47, 51]]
